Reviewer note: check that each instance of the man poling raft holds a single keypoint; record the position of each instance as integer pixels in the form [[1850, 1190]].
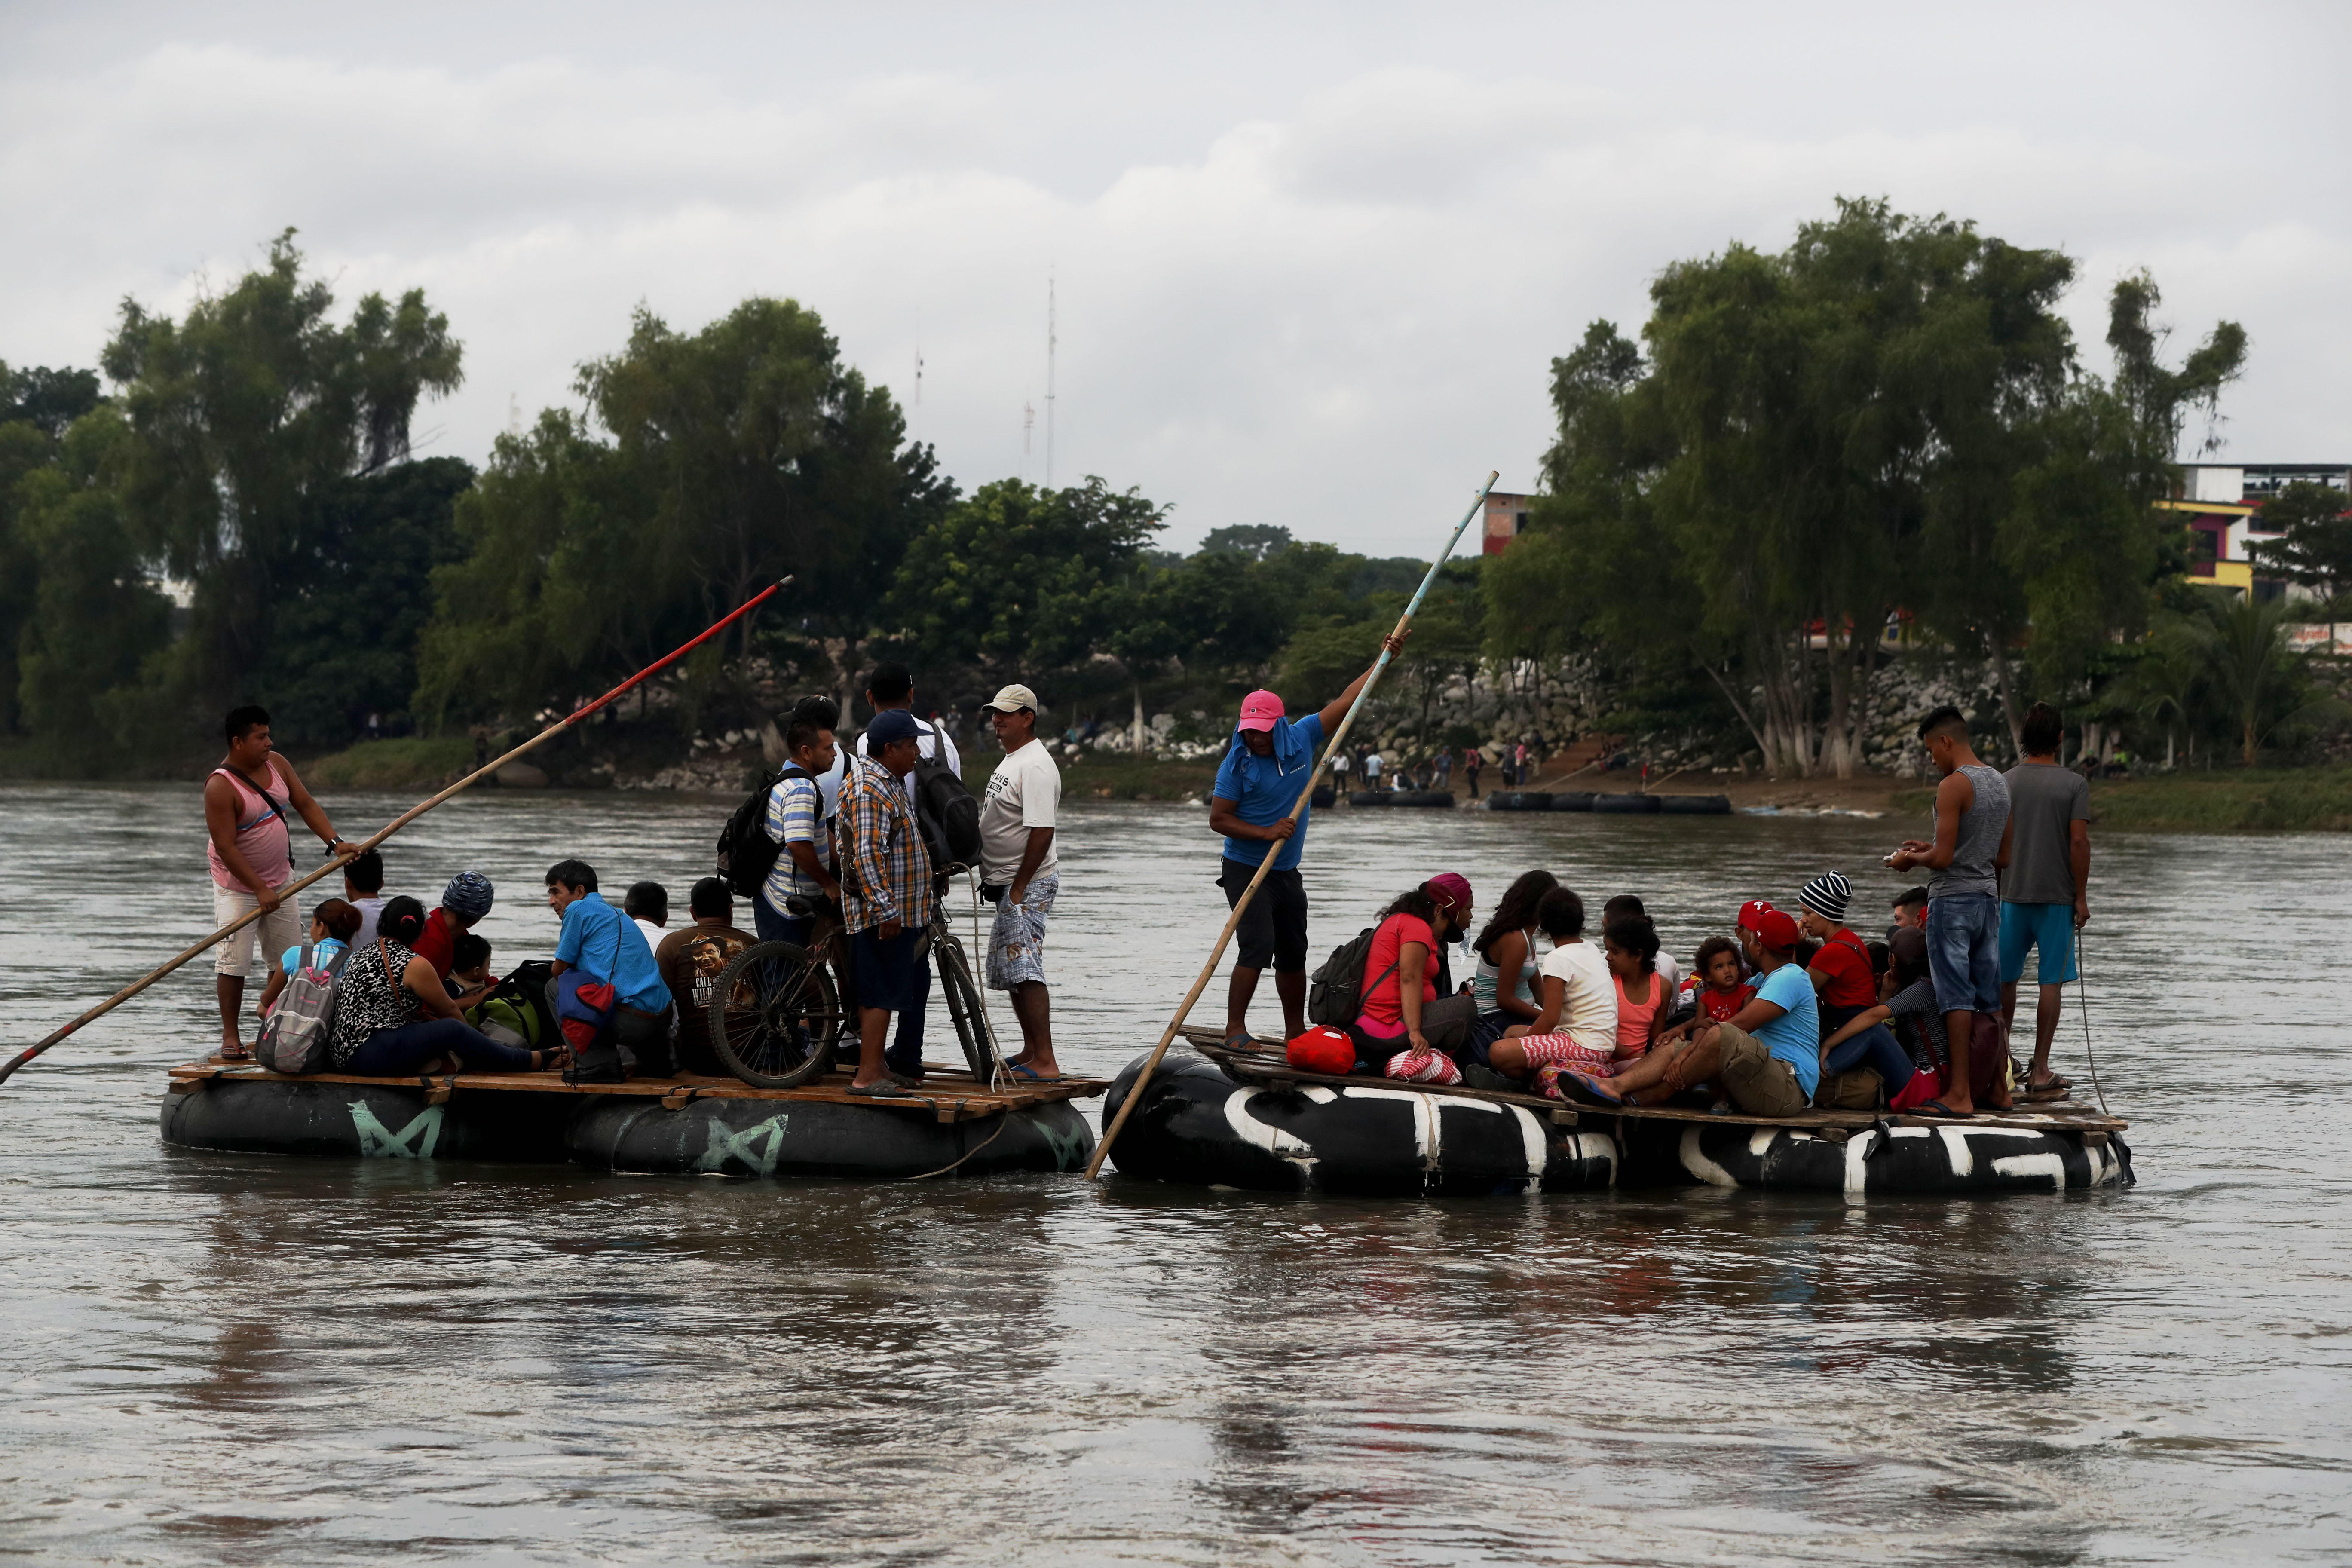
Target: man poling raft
[[1328, 1114], [678, 1125]]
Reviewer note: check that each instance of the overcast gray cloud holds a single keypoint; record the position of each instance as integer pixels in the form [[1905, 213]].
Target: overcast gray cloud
[[1313, 261]]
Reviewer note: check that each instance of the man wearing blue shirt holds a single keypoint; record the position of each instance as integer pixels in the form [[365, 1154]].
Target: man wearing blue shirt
[[1766, 1056], [606, 946], [1257, 785]]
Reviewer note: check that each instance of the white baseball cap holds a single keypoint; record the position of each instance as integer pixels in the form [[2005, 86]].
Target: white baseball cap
[[1014, 698]]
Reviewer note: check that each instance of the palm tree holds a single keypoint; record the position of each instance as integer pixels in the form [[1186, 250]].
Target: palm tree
[[2255, 677]]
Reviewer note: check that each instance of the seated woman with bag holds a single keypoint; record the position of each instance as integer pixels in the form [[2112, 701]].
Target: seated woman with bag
[[1410, 1029], [394, 1019]]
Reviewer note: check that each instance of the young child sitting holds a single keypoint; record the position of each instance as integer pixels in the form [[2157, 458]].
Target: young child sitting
[[469, 969], [1630, 943], [1715, 983], [332, 925]]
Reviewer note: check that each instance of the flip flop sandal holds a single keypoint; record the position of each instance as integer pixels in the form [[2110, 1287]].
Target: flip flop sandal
[[2053, 1084], [1938, 1108], [1024, 1070], [240, 1056], [881, 1088]]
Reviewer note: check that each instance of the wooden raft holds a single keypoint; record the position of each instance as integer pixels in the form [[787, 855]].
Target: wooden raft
[[1268, 1067], [948, 1094]]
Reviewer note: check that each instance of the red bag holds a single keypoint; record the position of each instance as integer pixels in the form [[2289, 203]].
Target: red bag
[[1923, 1088], [1322, 1049]]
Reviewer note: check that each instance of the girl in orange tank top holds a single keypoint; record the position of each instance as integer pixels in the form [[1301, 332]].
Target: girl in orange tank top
[[1631, 943]]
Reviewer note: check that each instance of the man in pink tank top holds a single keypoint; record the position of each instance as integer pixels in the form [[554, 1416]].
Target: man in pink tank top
[[247, 803]]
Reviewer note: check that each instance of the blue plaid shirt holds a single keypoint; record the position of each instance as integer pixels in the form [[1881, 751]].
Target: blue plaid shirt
[[885, 872]]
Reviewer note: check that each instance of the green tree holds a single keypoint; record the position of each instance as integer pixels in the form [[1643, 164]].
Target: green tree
[[1250, 540], [2314, 543], [2256, 682], [540, 606], [95, 615], [238, 415], [354, 598], [1019, 580], [1883, 418], [763, 454]]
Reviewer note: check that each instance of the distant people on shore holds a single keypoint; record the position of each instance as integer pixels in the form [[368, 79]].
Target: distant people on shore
[[251, 800], [1251, 804], [1472, 761]]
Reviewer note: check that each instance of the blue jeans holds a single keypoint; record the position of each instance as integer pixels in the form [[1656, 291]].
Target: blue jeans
[[1875, 1048], [398, 1053], [1964, 951]]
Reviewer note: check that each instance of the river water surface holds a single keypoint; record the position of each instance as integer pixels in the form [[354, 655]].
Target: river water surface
[[217, 1358]]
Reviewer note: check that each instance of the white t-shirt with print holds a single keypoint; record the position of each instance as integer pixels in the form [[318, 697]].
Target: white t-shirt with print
[[1589, 1014], [1024, 792]]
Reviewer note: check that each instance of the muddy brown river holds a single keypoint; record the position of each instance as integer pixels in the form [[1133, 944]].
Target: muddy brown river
[[230, 1359]]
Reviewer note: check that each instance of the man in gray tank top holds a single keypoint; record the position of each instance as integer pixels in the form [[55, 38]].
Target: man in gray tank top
[[1963, 898]]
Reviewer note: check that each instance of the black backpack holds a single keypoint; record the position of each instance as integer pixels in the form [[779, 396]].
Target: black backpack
[[1335, 995], [948, 815], [746, 853]]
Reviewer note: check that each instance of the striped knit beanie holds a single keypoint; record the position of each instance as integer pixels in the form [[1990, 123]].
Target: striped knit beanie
[[1827, 896]]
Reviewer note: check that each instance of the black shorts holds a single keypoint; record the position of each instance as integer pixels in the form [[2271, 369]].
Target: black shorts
[[1273, 928]]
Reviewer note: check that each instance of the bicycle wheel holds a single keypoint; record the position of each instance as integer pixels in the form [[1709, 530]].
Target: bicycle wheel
[[964, 1007], [774, 1015]]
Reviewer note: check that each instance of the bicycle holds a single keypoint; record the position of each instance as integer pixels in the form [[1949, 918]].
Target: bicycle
[[776, 1017]]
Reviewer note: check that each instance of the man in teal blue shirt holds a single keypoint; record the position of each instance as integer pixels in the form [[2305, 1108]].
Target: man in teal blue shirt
[[1257, 788], [606, 945]]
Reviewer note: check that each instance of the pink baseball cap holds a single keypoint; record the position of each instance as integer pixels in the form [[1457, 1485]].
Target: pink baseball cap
[[1451, 892], [1260, 710]]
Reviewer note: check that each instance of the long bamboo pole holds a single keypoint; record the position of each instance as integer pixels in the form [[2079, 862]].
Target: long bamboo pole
[[1232, 920], [394, 825]]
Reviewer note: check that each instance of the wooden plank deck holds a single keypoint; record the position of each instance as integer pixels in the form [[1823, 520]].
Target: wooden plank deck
[[948, 1094], [2048, 1116]]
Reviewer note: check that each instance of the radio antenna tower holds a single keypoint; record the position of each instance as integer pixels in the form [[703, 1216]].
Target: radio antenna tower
[[1028, 423], [1049, 378], [918, 376]]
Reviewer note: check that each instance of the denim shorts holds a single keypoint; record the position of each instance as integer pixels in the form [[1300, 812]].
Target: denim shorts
[[1964, 951], [2049, 930]]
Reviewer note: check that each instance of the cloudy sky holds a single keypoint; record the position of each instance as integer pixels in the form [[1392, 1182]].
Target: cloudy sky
[[1312, 260]]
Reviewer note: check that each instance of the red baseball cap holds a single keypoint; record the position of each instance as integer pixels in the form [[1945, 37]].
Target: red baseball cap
[[1776, 931], [1753, 911]]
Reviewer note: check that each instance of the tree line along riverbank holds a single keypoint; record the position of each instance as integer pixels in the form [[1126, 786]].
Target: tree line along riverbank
[[2236, 800]]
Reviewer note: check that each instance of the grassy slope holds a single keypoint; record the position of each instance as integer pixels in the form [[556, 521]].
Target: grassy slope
[[412, 762], [2233, 801]]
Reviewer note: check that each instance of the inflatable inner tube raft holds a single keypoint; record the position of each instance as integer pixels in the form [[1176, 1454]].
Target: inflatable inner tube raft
[[1202, 1125], [730, 1133]]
